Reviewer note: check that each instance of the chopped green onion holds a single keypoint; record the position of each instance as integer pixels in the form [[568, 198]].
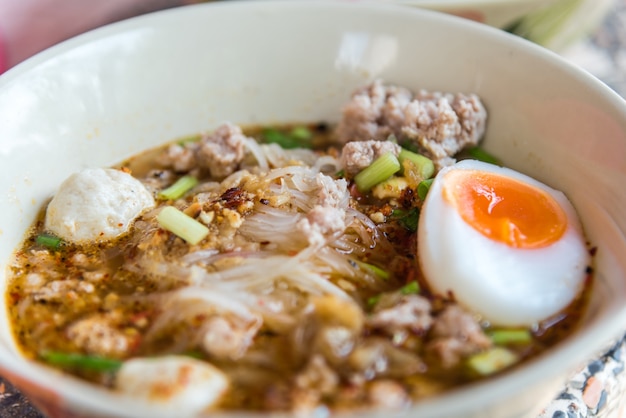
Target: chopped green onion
[[301, 133], [380, 170], [424, 166], [81, 361], [182, 225], [423, 187], [408, 220], [411, 288], [510, 336], [340, 174], [272, 136], [492, 361], [179, 188], [411, 146], [198, 355], [383, 274], [373, 301], [49, 241], [188, 140], [482, 155], [392, 188], [288, 140]]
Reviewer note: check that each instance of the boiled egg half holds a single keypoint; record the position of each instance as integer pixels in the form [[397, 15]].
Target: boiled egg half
[[504, 245]]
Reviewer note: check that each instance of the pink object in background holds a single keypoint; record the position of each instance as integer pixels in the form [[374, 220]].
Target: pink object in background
[[3, 59]]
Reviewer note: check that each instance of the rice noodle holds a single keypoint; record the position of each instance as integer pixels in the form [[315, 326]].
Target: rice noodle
[[252, 274], [208, 257], [327, 164], [310, 270], [234, 180], [255, 149], [280, 157], [221, 301], [274, 226], [201, 255], [363, 226], [192, 302], [168, 274], [288, 173]]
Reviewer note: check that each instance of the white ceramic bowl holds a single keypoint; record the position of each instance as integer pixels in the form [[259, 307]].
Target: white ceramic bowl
[[108, 94]]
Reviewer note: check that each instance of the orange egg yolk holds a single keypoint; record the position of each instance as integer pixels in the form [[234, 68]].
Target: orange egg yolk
[[505, 209]]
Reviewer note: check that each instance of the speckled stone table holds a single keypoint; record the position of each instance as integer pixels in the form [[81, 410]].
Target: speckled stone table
[[597, 390], [13, 404]]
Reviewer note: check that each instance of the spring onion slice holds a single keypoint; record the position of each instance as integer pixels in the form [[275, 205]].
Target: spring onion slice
[[408, 219], [81, 361], [272, 136], [383, 274], [423, 187], [198, 355], [301, 133], [380, 170], [182, 225], [189, 139], [482, 155], [371, 302], [510, 336], [179, 188], [424, 166], [49, 241], [297, 138], [411, 288], [411, 221], [492, 361]]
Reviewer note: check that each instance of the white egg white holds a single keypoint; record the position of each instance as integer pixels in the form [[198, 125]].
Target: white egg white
[[506, 286]]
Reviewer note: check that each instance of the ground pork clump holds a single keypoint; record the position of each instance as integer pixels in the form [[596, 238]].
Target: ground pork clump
[[457, 334], [219, 152], [357, 155], [438, 124]]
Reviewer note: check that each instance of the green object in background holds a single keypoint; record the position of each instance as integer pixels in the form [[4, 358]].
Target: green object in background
[[559, 24]]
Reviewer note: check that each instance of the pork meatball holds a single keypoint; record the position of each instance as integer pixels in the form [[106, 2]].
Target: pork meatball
[[96, 204]]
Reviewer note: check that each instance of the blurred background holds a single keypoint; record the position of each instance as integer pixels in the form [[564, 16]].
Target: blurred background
[[29, 26]]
